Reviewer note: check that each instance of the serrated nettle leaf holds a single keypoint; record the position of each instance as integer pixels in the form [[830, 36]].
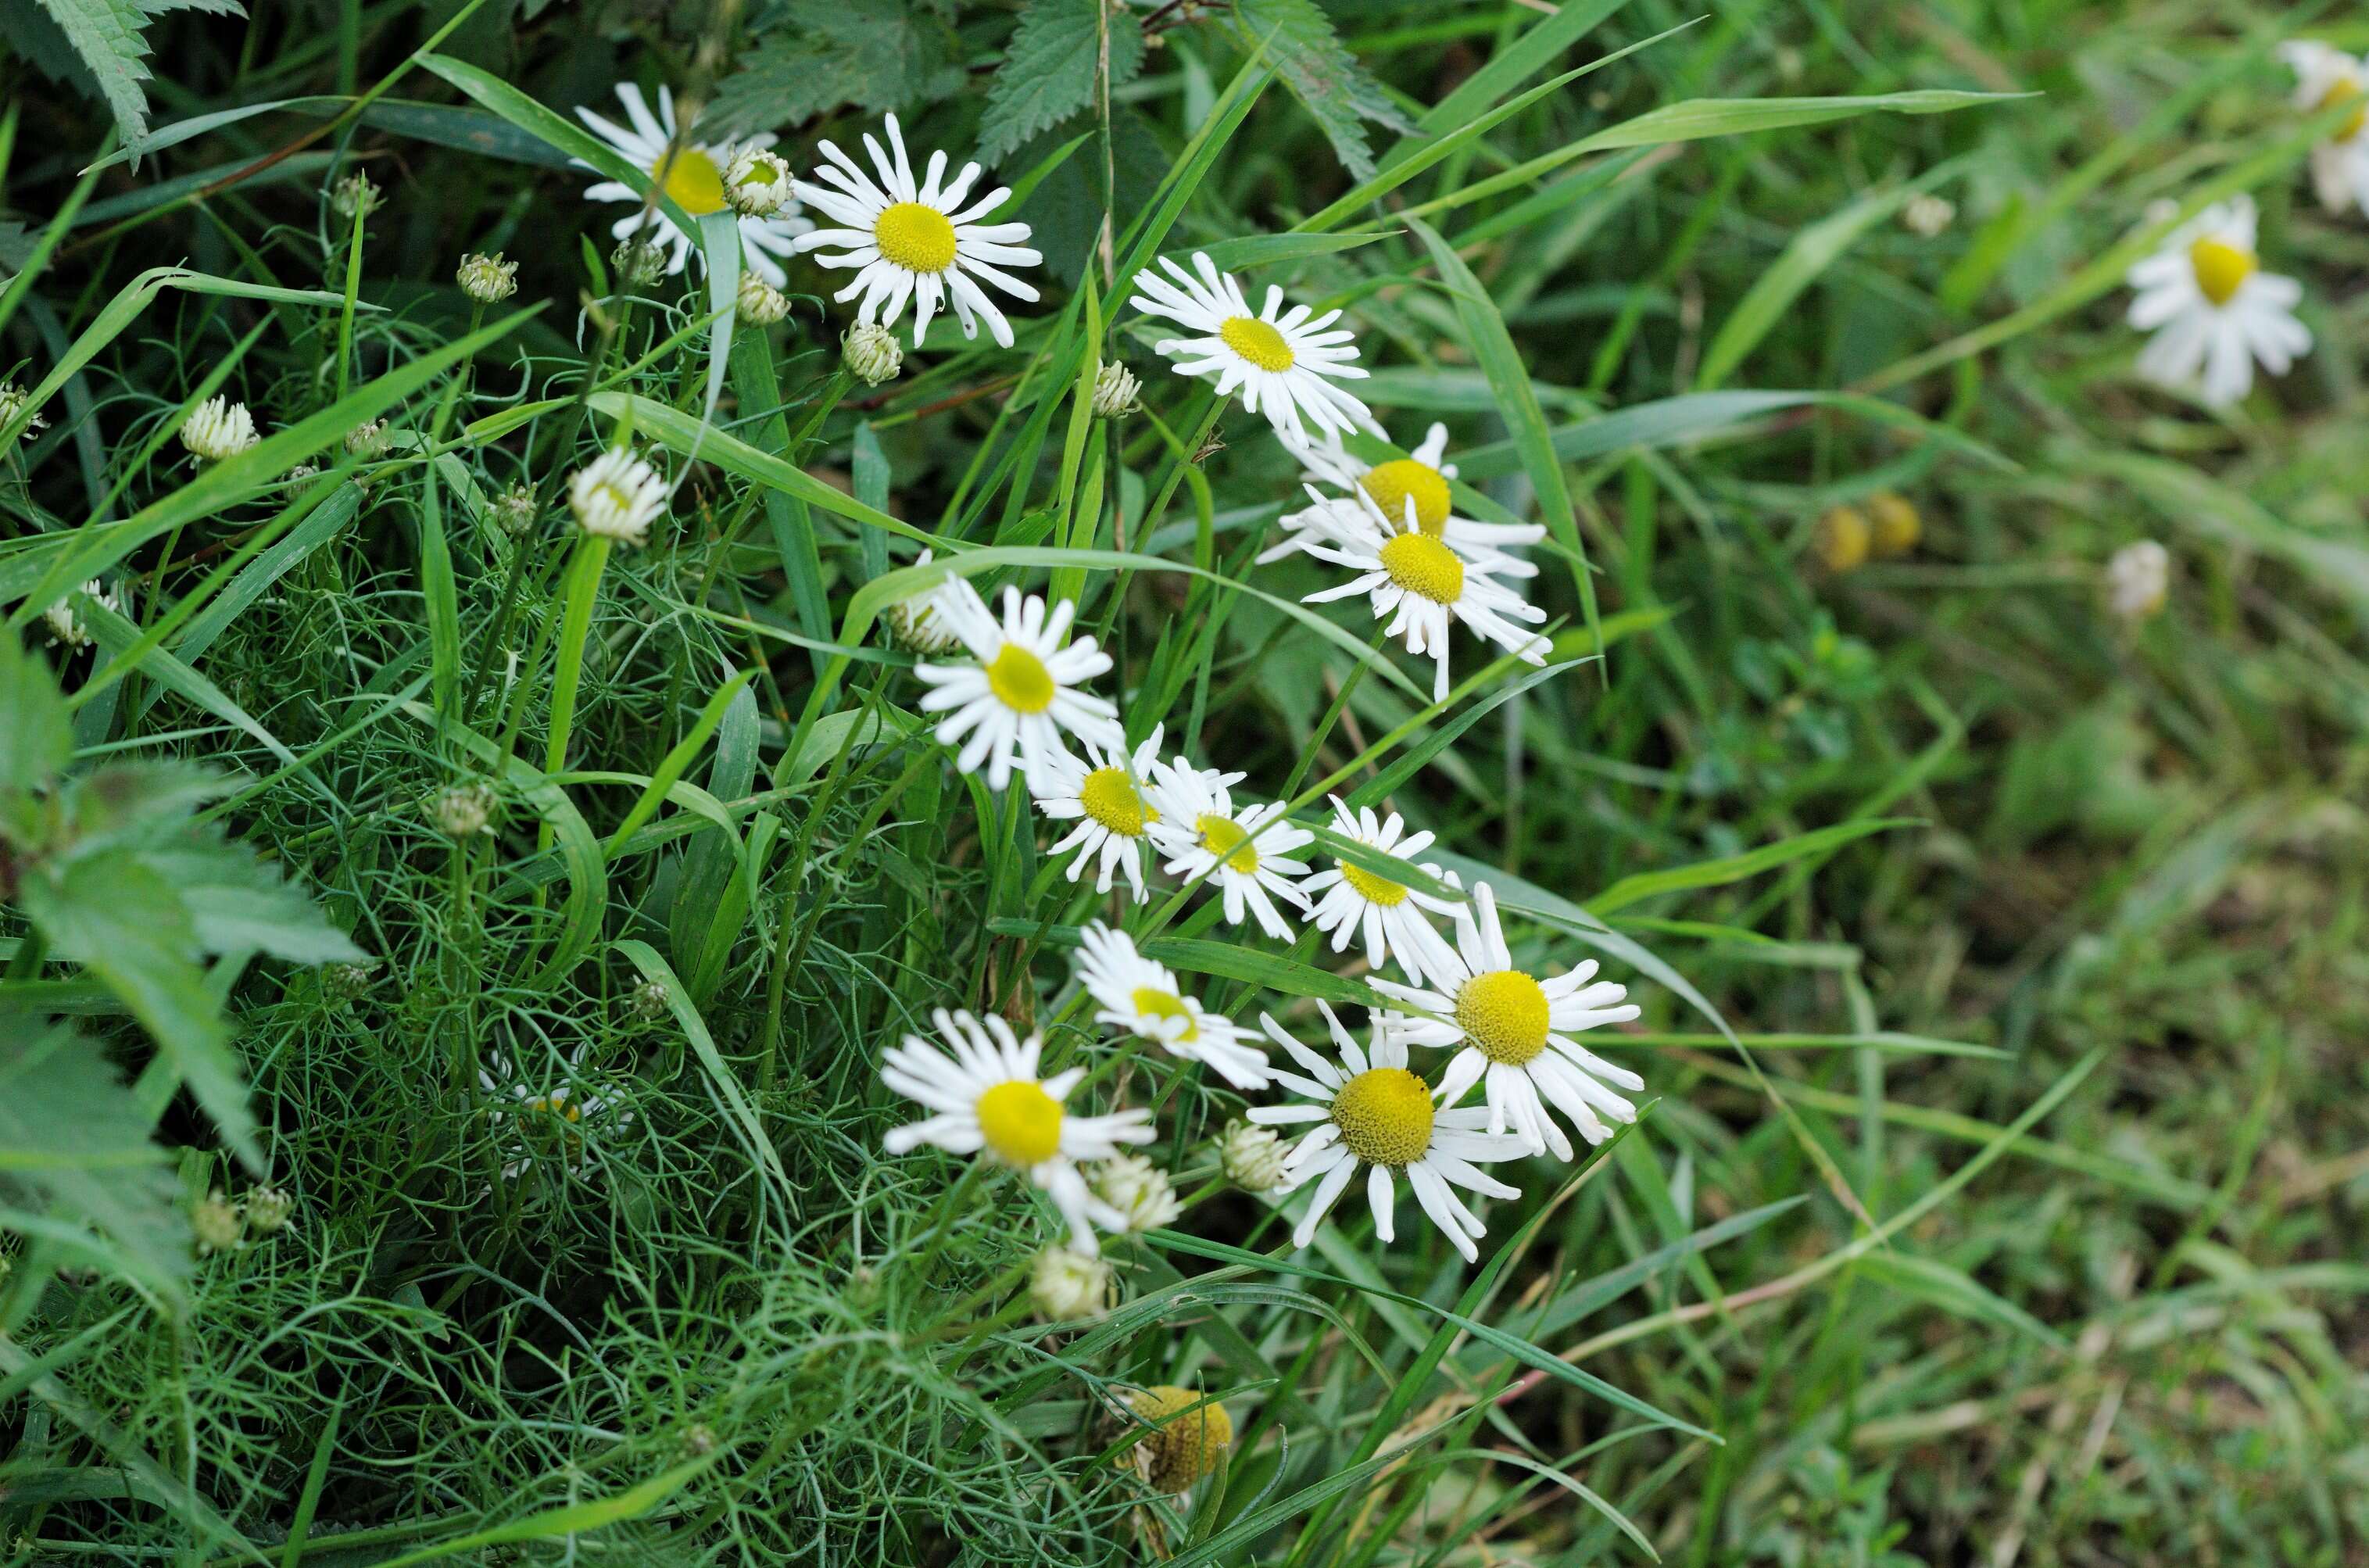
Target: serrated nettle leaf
[[1297, 41], [111, 37], [237, 902], [1054, 66], [36, 730], [873, 54]]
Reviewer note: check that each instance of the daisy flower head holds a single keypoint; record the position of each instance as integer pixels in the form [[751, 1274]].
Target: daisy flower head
[[1026, 688], [1370, 1111], [2212, 309], [989, 1101], [1205, 835], [1422, 477], [1390, 914], [1421, 584], [1144, 998], [916, 241], [545, 1120], [1283, 364], [218, 429], [1515, 1030], [694, 174], [1105, 797], [618, 496], [2325, 77]]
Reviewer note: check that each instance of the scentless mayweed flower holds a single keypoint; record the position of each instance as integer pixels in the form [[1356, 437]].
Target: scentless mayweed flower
[[617, 496], [870, 353], [63, 620], [215, 1223], [2212, 309], [1104, 795], [542, 1120], [918, 622], [13, 399], [368, 439], [638, 262], [916, 242], [1251, 1157], [2138, 582], [465, 810], [694, 177], [1515, 1030], [488, 280], [1116, 392], [515, 509], [218, 428], [2325, 77], [1189, 1436], [1842, 539], [268, 1210], [990, 1101], [759, 302], [1024, 692], [1893, 526], [1138, 1192], [1244, 851], [1145, 999], [1421, 479], [1372, 1113], [1283, 364], [1065, 1285], [757, 183], [1390, 914], [356, 197]]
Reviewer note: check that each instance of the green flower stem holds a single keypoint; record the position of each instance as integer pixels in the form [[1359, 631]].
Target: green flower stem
[[575, 628]]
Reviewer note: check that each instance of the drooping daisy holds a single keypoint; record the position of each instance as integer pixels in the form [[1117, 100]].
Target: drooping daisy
[[989, 1100], [1024, 690], [2326, 76], [1283, 364], [2212, 309], [1106, 799], [916, 242], [1373, 1112], [545, 1120], [618, 496], [1202, 832], [1420, 477], [1515, 1032], [1421, 584], [1390, 914], [916, 623], [695, 175], [1145, 999]]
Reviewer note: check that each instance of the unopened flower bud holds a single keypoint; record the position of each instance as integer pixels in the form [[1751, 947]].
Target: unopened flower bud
[[488, 280], [356, 197], [1138, 1191], [1841, 539], [2138, 582], [638, 263], [216, 1224], [1115, 388], [1065, 1285], [465, 810], [268, 1210], [756, 184], [761, 303], [870, 352]]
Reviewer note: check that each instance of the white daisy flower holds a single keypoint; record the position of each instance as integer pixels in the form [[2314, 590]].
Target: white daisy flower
[[917, 622], [1106, 800], [617, 496], [542, 1120], [1373, 1112], [1203, 833], [2340, 165], [990, 1101], [1390, 914], [1421, 478], [1421, 584], [1515, 1032], [1138, 1192], [1283, 364], [916, 242], [2138, 580], [694, 176], [65, 620], [1024, 690], [2212, 309], [1064, 1286], [1144, 998]]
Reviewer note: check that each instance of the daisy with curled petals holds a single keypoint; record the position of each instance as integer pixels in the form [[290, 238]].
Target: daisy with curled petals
[[1023, 691], [1283, 364], [1516, 1033], [1371, 1111], [694, 175], [1420, 477], [1108, 803], [1203, 834], [545, 1120], [1421, 584], [1144, 998], [989, 1100], [916, 242], [1390, 914], [2325, 77], [2212, 309]]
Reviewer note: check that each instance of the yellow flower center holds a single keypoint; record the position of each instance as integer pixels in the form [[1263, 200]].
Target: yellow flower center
[[1893, 525], [915, 237], [1372, 888], [1504, 1014], [565, 1109], [1842, 539], [1020, 679], [1256, 341], [1151, 1004], [692, 180], [2221, 268], [1223, 837], [1111, 798], [1420, 564], [1186, 1447], [2345, 91], [1384, 1116], [1021, 1123], [1391, 483]]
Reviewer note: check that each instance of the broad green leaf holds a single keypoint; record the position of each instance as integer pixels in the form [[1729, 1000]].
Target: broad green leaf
[[1052, 67], [1297, 41], [110, 37], [821, 54], [36, 731], [238, 902]]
